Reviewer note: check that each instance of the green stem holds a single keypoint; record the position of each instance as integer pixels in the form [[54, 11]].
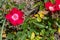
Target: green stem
[[2, 29]]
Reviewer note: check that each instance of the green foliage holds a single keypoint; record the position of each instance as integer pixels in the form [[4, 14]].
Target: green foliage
[[10, 36], [45, 0], [40, 4], [21, 6], [42, 30]]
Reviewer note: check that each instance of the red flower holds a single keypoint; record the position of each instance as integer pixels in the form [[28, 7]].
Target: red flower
[[57, 1], [15, 17], [57, 4], [50, 6]]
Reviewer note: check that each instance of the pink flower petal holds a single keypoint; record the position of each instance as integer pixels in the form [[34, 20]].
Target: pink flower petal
[[8, 16], [20, 21], [50, 6]]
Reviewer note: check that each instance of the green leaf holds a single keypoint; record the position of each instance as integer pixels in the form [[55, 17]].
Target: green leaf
[[41, 5], [29, 34], [10, 36], [19, 34], [38, 3], [39, 25], [47, 33], [21, 6], [52, 31], [39, 19], [57, 24], [53, 1], [49, 24], [23, 37], [45, 0], [24, 26], [32, 35], [42, 32], [7, 6]]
